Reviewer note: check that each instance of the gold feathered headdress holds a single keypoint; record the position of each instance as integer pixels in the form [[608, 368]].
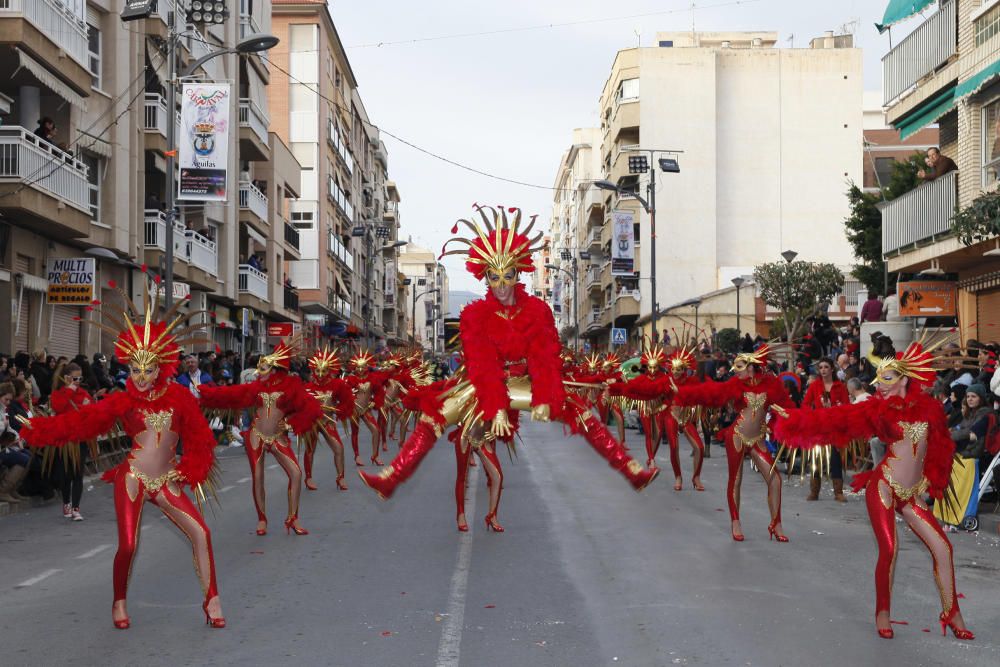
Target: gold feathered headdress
[[499, 245]]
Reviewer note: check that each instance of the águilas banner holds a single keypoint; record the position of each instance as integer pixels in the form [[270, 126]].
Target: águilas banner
[[622, 243], [204, 141]]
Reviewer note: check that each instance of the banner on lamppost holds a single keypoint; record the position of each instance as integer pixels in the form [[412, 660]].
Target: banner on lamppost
[[71, 281], [557, 295], [622, 243], [203, 143]]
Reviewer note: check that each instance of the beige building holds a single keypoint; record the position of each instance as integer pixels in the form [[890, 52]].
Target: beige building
[[347, 230], [955, 83], [96, 192], [752, 121], [427, 281]]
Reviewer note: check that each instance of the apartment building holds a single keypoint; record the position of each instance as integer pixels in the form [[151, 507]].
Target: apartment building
[[96, 191], [428, 284], [769, 137], [347, 234], [947, 70]]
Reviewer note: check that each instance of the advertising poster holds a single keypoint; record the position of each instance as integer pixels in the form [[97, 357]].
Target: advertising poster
[[203, 142]]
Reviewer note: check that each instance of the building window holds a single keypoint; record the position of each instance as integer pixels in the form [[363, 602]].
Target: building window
[[883, 171], [988, 26], [94, 53], [628, 90], [991, 142], [94, 173], [302, 219]]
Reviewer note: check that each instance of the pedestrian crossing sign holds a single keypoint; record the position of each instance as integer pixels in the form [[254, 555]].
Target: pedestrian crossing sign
[[618, 336]]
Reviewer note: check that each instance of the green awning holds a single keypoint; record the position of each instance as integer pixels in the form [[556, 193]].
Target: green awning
[[976, 83], [927, 113], [899, 10]]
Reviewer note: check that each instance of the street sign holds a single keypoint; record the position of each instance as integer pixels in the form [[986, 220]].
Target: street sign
[[245, 324], [927, 298], [618, 336], [137, 9], [279, 329]]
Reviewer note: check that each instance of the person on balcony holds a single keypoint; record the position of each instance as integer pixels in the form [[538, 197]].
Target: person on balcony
[[938, 164]]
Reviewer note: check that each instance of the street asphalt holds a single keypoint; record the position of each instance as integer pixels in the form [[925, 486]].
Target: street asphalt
[[588, 573]]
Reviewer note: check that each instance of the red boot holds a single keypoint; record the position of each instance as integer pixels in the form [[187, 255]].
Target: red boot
[[614, 453], [385, 481]]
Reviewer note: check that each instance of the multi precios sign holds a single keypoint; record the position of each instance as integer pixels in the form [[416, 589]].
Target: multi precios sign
[[71, 281]]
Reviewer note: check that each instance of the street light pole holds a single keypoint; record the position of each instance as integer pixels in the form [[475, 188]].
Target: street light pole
[[171, 201], [413, 314], [573, 277], [738, 281]]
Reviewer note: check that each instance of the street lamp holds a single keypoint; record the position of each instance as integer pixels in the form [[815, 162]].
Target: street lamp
[[413, 313], [252, 44], [694, 303], [669, 165], [789, 256], [738, 281], [573, 276]]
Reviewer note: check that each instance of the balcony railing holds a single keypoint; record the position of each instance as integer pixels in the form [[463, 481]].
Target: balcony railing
[[339, 197], [921, 52], [333, 136], [252, 281], [920, 215], [628, 294], [291, 298], [156, 114], [593, 275], [202, 252], [291, 236], [253, 200], [342, 307], [55, 20], [248, 25], [155, 230], [340, 252], [253, 116], [27, 159], [594, 236]]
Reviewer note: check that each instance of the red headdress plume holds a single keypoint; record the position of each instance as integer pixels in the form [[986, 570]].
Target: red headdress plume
[[282, 355], [654, 358], [499, 245], [682, 359], [325, 361]]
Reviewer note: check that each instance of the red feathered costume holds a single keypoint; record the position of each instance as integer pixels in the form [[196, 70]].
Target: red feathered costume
[[337, 400], [280, 401], [368, 387], [919, 455], [512, 362], [155, 419], [752, 397]]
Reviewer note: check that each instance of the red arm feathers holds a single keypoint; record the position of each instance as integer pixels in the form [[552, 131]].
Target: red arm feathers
[[837, 426], [544, 364], [199, 443], [485, 370], [89, 422], [940, 447], [233, 397], [344, 398], [710, 394], [301, 408]]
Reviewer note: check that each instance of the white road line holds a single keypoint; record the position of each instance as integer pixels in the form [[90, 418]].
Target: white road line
[[451, 630], [243, 480], [226, 488], [93, 552], [35, 580], [272, 466]]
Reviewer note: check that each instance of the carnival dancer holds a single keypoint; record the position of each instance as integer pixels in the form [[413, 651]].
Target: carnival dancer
[[753, 392], [918, 460], [824, 392], [368, 386], [512, 363], [69, 396], [155, 413], [280, 402], [677, 419], [611, 402], [649, 393], [337, 400]]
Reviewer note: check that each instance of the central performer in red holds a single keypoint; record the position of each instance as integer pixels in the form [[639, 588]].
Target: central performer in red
[[512, 362]]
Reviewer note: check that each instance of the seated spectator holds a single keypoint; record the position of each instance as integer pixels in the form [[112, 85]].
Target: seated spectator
[[14, 459], [970, 433], [953, 405], [938, 165]]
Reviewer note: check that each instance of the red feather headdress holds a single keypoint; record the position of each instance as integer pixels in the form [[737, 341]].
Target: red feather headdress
[[325, 361], [682, 359], [653, 359]]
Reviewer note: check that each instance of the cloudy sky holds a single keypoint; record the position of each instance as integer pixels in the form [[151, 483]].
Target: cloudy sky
[[506, 103]]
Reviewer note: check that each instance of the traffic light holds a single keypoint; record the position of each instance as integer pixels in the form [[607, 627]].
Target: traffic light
[[207, 11]]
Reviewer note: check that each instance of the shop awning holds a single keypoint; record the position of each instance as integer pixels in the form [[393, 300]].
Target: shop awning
[[927, 113], [976, 83], [49, 80], [899, 10]]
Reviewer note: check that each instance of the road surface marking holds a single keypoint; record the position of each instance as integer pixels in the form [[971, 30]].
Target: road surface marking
[[451, 631], [93, 552], [243, 480], [272, 466], [35, 580], [226, 488]]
